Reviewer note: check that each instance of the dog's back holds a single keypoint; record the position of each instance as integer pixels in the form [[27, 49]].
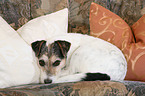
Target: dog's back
[[99, 57]]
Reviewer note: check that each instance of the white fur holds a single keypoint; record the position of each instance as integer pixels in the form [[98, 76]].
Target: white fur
[[89, 54]]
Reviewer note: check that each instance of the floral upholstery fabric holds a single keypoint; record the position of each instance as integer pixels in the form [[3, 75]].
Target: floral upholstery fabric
[[92, 88], [129, 10], [19, 12]]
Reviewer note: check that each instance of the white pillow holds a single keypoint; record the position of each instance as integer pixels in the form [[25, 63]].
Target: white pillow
[[45, 27], [17, 60]]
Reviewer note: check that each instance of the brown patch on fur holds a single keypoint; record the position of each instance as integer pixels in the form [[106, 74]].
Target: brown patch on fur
[[61, 48], [39, 47]]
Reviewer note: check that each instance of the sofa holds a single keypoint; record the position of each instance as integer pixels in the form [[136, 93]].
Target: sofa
[[19, 12]]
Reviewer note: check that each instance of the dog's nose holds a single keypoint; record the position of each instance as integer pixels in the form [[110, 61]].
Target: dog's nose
[[47, 81]]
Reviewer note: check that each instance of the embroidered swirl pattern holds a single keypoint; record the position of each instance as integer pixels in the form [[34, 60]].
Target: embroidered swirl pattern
[[110, 27]]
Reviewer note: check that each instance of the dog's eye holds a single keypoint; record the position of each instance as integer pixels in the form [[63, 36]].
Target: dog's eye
[[41, 62], [56, 63]]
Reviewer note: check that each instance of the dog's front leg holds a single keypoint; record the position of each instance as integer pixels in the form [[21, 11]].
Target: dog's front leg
[[82, 77], [69, 78]]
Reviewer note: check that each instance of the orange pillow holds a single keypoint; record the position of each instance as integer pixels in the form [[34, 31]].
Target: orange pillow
[[110, 27], [136, 52]]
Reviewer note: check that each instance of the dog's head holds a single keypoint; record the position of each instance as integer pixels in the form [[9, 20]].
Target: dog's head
[[51, 57]]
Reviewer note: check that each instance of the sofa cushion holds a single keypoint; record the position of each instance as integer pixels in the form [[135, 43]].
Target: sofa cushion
[[18, 64], [110, 27], [45, 27], [83, 88]]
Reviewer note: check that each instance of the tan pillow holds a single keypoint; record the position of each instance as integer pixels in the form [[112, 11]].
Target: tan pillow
[[45, 27], [18, 64]]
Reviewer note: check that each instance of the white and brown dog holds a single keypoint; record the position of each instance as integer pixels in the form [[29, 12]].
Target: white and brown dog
[[75, 57]]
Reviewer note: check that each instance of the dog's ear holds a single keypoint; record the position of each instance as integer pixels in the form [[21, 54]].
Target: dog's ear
[[61, 48], [39, 47]]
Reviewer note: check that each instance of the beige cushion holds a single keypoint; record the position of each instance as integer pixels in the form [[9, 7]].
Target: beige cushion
[[45, 27], [17, 61]]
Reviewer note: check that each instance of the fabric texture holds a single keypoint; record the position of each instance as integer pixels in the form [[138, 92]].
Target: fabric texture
[[135, 52], [19, 12], [110, 27], [18, 64], [45, 27], [88, 88], [129, 10]]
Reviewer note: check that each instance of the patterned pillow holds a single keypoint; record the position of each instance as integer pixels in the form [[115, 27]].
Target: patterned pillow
[[110, 27], [136, 52]]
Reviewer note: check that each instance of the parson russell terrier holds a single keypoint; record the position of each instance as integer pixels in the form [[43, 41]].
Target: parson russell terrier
[[75, 57]]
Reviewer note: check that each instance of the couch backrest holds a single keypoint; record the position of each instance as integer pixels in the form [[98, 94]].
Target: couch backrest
[[18, 12]]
